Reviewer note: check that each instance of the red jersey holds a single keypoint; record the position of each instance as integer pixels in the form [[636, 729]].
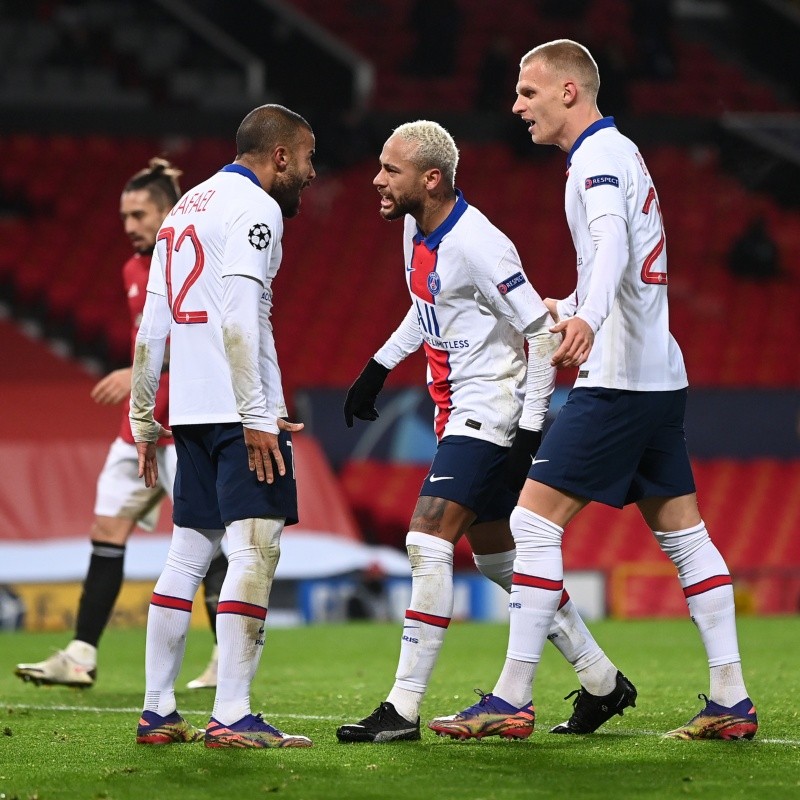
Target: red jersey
[[134, 276]]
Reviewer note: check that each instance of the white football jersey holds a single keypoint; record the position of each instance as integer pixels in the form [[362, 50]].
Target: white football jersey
[[471, 304], [633, 349], [227, 225]]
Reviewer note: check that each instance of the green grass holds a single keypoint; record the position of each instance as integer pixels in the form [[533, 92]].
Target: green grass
[[59, 743]]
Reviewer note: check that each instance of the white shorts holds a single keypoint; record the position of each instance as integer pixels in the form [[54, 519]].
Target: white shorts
[[122, 493]]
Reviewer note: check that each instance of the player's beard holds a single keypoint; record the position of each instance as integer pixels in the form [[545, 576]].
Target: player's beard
[[286, 193], [401, 205]]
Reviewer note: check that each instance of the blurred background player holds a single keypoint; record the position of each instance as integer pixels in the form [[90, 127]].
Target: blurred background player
[[122, 501], [212, 295], [472, 310]]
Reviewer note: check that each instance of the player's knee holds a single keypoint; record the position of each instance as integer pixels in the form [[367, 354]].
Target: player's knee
[[682, 544], [111, 530], [531, 531], [428, 554]]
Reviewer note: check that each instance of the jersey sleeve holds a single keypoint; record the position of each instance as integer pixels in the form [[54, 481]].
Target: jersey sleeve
[[602, 184], [241, 333], [147, 361], [254, 234], [503, 284], [406, 340], [610, 238]]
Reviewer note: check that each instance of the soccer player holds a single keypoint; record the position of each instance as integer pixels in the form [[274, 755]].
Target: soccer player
[[210, 290], [472, 309], [122, 502], [620, 437]]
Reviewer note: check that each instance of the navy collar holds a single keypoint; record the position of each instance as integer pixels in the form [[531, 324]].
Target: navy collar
[[240, 170], [433, 240], [605, 122]]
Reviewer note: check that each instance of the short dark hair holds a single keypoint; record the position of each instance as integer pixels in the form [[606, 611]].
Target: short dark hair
[[267, 127], [160, 179]]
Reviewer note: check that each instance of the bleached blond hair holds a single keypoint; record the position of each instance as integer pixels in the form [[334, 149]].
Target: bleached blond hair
[[568, 59], [436, 147]]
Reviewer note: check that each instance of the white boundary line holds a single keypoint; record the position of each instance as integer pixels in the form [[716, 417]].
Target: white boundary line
[[193, 712]]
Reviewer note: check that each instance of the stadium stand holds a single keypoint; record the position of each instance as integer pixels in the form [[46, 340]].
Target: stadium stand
[[342, 289]]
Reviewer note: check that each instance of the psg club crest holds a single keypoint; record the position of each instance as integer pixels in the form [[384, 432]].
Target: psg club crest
[[434, 283], [259, 236]]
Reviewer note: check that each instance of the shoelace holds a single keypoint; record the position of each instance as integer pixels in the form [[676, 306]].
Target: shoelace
[[584, 715]]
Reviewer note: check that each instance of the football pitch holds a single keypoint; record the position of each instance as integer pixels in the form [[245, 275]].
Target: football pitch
[[58, 743]]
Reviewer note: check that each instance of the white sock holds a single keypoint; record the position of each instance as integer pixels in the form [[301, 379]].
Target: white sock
[[536, 591], [708, 589], [171, 611], [596, 672], [82, 652], [426, 620], [253, 553], [568, 633], [497, 567]]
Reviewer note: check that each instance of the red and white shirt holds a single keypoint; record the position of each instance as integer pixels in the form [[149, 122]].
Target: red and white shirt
[[472, 307]]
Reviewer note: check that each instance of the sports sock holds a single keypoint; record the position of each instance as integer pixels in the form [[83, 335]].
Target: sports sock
[[212, 584], [536, 592], [426, 619], [708, 589], [100, 591], [82, 652], [170, 613], [497, 567], [253, 553], [568, 633]]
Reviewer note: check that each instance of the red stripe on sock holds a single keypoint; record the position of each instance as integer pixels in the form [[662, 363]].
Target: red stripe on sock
[[428, 619], [707, 585], [241, 608], [166, 601], [536, 582], [564, 599]]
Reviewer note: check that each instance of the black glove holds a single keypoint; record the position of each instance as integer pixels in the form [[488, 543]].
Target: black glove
[[520, 457], [361, 397]]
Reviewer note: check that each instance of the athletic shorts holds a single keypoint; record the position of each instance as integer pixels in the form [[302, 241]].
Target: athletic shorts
[[470, 471], [214, 485], [122, 493], [617, 447]]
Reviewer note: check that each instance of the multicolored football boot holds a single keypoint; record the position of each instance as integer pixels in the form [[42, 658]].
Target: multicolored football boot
[[719, 722], [490, 716], [250, 731], [172, 729]]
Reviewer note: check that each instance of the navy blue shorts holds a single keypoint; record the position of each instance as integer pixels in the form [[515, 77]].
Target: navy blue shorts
[[469, 471], [617, 446], [214, 485]]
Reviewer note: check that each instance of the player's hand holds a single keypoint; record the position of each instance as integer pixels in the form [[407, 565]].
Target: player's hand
[[148, 463], [576, 345], [114, 388], [361, 397], [263, 450], [520, 457]]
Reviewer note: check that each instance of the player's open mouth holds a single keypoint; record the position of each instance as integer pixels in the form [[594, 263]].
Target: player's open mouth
[[386, 202]]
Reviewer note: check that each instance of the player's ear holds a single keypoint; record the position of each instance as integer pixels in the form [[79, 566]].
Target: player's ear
[[280, 157], [432, 178]]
